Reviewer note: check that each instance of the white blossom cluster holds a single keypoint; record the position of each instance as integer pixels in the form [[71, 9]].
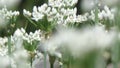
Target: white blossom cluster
[[6, 15], [62, 3], [36, 36], [6, 62], [55, 11], [104, 14], [21, 33], [3, 47], [79, 42], [58, 11], [10, 60], [9, 3], [15, 59], [88, 5], [3, 41], [17, 50]]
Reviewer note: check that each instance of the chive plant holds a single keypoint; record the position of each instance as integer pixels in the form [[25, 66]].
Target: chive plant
[[75, 41]]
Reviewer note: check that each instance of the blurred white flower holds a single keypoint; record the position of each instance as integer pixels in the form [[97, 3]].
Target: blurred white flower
[[26, 13], [5, 62], [106, 13], [20, 55], [19, 32], [88, 5], [6, 15], [9, 3], [109, 2], [3, 41], [3, 48], [3, 51], [81, 41]]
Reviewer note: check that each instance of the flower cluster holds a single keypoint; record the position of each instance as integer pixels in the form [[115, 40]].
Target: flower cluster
[[36, 36], [3, 48], [17, 48], [10, 59], [3, 41], [104, 14], [97, 38], [62, 3], [9, 3], [6, 15], [21, 33], [58, 11]]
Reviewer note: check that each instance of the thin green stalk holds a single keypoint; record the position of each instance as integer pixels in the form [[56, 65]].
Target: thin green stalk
[[9, 46], [31, 21], [70, 62], [96, 12], [26, 25], [96, 15], [9, 50], [31, 60], [115, 65], [45, 60]]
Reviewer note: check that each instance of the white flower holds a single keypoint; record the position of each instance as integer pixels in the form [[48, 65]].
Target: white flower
[[103, 14], [109, 14], [62, 3], [18, 33], [81, 41], [3, 41], [59, 12], [36, 36], [5, 61], [9, 3], [106, 13], [6, 15], [15, 13], [3, 47], [20, 54], [42, 8], [26, 13], [88, 5], [109, 2], [37, 15]]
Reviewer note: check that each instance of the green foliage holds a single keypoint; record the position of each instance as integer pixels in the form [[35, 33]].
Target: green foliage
[[30, 46]]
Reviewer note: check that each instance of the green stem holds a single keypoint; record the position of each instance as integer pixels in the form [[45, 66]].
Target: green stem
[[26, 25], [96, 15], [31, 60], [96, 12], [9, 46], [115, 65], [51, 60], [45, 60], [9, 49], [31, 21]]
